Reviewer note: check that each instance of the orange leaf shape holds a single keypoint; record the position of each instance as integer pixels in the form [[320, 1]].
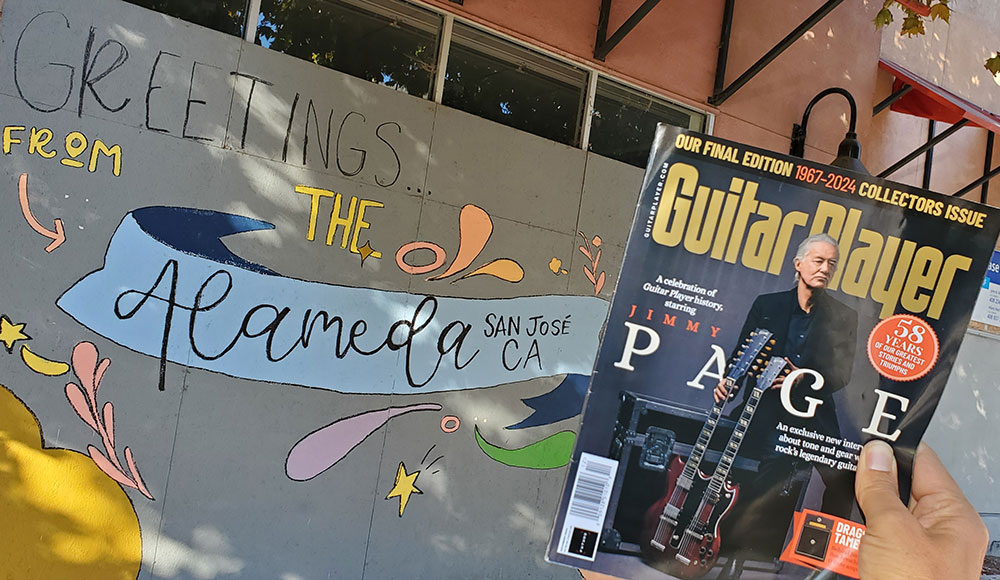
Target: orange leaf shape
[[586, 252], [590, 275], [597, 259], [596, 241], [85, 366], [140, 485], [79, 403], [474, 230], [502, 268], [599, 284], [99, 373], [109, 422], [105, 465]]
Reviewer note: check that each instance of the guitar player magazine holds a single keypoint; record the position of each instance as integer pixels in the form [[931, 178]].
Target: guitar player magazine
[[771, 316]]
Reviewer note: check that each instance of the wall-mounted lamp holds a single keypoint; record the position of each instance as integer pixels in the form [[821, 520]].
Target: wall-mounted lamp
[[849, 151]]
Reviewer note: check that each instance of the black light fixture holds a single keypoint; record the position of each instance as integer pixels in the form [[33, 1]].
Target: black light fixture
[[849, 151]]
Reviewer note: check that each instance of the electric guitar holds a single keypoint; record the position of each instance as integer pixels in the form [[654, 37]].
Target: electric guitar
[[698, 548], [660, 538]]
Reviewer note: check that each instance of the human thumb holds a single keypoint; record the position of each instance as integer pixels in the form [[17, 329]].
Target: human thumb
[[876, 485]]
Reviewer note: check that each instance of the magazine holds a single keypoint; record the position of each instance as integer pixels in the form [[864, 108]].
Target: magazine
[[771, 316]]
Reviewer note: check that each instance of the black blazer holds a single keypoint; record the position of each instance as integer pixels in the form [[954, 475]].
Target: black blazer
[[829, 350]]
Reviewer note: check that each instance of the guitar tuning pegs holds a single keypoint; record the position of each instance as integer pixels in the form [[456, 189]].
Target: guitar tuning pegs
[[767, 348], [755, 367], [772, 341]]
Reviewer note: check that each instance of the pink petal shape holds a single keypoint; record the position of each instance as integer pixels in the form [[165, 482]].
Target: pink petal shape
[[79, 404], [105, 466], [99, 375], [597, 260], [599, 284], [474, 230], [323, 448], [586, 252], [85, 365], [135, 474], [109, 422]]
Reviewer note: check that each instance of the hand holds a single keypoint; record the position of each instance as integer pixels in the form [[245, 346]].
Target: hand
[[721, 392], [789, 367], [940, 535]]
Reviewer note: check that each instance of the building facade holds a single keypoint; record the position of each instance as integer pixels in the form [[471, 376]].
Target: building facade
[[379, 372]]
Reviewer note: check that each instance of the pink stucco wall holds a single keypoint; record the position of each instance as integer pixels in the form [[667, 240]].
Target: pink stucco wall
[[674, 50]]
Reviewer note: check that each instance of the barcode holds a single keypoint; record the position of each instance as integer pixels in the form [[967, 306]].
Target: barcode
[[591, 481], [588, 504]]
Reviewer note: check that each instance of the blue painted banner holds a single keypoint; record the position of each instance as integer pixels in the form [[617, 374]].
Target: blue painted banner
[[171, 289]]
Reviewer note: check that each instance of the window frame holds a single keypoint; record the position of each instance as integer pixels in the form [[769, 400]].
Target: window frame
[[445, 41]]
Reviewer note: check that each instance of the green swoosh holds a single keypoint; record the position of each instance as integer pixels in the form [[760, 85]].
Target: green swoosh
[[549, 453]]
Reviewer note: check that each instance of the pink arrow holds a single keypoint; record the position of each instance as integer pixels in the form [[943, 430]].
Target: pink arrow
[[58, 236]]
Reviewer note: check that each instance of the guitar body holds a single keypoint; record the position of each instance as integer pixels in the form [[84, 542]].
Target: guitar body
[[655, 529], [697, 555]]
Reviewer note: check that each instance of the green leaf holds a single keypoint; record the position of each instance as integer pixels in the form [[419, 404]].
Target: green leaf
[[993, 64], [912, 26], [883, 18], [940, 10]]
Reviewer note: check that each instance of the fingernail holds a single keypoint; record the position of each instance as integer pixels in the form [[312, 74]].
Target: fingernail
[[878, 455]]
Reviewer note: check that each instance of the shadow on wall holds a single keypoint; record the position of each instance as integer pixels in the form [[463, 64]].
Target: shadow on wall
[[60, 516]]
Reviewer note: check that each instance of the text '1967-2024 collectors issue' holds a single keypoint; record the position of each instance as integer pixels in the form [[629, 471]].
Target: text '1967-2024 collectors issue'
[[772, 315]]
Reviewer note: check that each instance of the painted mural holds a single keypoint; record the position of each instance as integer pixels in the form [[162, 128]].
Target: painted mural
[[340, 349]]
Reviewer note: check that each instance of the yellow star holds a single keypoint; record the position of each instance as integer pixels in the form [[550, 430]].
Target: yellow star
[[11, 333], [365, 251], [404, 486]]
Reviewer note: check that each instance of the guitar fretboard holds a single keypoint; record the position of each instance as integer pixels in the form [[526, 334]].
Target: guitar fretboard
[[733, 447], [701, 445]]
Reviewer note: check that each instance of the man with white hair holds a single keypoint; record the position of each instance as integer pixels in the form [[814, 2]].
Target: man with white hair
[[812, 330]]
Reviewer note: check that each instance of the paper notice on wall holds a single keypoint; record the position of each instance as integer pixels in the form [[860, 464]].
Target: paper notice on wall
[[987, 310]]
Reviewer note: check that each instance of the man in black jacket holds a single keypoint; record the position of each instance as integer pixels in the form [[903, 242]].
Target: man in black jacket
[[812, 330]]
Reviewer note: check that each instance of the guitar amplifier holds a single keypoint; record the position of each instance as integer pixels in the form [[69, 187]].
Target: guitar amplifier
[[647, 433]]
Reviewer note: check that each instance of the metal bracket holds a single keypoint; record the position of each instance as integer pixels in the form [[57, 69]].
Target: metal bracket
[[888, 101], [656, 448], [721, 94], [925, 147], [981, 181], [604, 45]]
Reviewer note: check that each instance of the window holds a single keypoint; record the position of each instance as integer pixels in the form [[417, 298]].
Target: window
[[509, 84], [222, 15], [624, 122], [398, 44], [389, 43]]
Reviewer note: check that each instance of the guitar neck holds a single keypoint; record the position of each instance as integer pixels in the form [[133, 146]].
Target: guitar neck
[[714, 492], [701, 445]]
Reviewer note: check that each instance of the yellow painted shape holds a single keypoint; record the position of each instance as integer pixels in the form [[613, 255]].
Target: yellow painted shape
[[404, 486], [41, 365], [60, 516]]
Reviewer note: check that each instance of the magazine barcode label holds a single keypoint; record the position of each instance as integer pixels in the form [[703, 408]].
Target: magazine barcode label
[[588, 504]]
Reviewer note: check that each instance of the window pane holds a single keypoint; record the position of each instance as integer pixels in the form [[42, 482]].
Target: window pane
[[389, 43], [222, 15], [506, 83], [624, 122]]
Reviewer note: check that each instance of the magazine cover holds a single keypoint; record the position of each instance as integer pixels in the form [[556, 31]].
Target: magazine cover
[[772, 315]]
